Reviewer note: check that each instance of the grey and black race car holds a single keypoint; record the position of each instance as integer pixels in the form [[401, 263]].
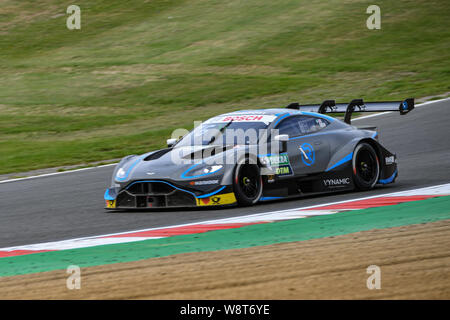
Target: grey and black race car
[[247, 156]]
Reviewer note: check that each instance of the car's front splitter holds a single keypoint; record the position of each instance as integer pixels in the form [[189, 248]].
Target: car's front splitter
[[175, 197]]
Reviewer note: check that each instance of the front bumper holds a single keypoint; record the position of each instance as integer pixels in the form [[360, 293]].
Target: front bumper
[[163, 194]]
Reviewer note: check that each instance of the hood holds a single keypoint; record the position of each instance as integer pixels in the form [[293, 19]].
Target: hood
[[173, 163]]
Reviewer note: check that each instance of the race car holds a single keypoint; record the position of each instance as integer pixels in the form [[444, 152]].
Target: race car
[[248, 156]]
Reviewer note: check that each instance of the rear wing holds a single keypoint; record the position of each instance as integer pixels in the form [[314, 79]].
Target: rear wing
[[356, 105]]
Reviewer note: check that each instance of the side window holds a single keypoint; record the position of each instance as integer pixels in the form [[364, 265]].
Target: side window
[[301, 125], [309, 125], [290, 127]]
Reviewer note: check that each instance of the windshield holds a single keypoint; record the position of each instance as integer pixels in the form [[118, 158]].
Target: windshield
[[228, 130]]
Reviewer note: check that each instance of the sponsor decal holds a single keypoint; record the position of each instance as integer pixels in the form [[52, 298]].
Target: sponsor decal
[[336, 182], [203, 182], [275, 160], [270, 178], [220, 199], [307, 154], [243, 118], [110, 203], [389, 160], [283, 170]]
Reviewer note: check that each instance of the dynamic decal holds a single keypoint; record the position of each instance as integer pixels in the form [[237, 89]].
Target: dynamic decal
[[307, 154], [220, 199], [336, 182]]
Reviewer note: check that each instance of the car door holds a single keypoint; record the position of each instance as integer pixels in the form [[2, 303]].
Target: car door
[[308, 149]]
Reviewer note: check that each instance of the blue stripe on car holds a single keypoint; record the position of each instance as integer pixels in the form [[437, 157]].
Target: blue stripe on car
[[199, 197], [212, 193], [390, 179], [270, 198], [319, 115], [280, 118], [183, 175], [107, 196], [340, 162]]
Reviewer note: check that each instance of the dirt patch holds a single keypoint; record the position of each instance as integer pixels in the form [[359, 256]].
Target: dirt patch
[[414, 262]]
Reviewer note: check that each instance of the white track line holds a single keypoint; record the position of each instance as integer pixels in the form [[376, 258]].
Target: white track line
[[111, 164], [57, 173], [294, 213]]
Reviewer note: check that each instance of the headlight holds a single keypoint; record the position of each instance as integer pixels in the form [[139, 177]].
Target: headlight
[[211, 169], [120, 173], [196, 171]]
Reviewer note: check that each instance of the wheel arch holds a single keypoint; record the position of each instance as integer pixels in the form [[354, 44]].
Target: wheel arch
[[376, 146]]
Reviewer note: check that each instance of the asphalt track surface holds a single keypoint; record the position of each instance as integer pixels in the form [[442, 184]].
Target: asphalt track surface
[[70, 205]]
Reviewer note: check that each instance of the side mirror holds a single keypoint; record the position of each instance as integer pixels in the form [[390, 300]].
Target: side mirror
[[282, 139], [171, 142]]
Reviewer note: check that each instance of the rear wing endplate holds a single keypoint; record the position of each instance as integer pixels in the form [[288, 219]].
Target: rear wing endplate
[[356, 105]]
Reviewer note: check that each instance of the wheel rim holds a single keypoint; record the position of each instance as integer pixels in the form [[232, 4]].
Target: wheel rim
[[366, 166], [249, 181]]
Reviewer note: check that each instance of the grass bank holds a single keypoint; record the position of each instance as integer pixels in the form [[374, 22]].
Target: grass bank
[[136, 71]]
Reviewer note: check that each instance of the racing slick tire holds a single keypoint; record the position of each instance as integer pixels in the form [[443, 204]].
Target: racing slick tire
[[365, 167], [247, 184]]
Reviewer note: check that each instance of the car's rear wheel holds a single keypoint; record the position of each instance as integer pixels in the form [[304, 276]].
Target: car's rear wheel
[[366, 166], [247, 184]]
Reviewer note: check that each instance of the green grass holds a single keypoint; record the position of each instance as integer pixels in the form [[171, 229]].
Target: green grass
[[136, 71]]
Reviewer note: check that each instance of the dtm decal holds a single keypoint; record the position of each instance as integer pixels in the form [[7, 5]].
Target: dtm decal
[[336, 182], [283, 170], [308, 155]]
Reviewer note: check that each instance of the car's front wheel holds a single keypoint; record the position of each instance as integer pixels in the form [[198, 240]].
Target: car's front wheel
[[247, 184], [366, 166]]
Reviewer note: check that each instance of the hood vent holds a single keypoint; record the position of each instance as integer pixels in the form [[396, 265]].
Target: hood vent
[[207, 152], [157, 154]]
